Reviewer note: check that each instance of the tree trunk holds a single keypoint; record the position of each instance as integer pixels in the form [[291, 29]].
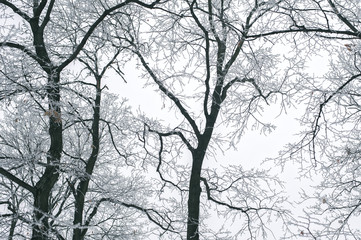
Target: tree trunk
[[41, 208], [194, 195], [195, 181], [12, 228], [78, 213], [82, 189], [44, 186]]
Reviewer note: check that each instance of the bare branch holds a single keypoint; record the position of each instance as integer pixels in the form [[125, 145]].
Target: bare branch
[[147, 211], [47, 16], [97, 22], [170, 95], [324, 103], [305, 30], [16, 180], [16, 10], [25, 50], [207, 58], [343, 19]]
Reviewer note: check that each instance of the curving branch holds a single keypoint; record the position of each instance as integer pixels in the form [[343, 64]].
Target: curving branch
[[112, 139], [97, 22], [241, 209], [243, 80], [17, 180], [25, 50], [47, 16], [302, 29], [342, 18], [160, 152], [324, 103], [207, 58], [170, 95], [148, 211], [16, 10], [172, 133]]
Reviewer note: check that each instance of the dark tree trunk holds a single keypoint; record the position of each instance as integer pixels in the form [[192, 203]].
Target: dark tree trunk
[[44, 186], [195, 188], [12, 228], [194, 198], [78, 212], [82, 189]]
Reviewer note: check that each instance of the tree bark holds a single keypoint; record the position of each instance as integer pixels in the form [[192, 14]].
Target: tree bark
[[44, 186], [194, 198], [83, 185], [195, 189]]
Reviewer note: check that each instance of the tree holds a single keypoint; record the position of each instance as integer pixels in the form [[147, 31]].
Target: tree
[[329, 147], [94, 130], [215, 66], [209, 62], [21, 148], [45, 50], [23, 145], [112, 134]]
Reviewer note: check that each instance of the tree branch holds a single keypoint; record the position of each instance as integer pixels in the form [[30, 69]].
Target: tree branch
[[170, 95], [112, 139], [243, 80], [25, 50], [38, 9], [323, 104], [16, 10], [97, 22], [160, 158], [208, 65], [241, 41], [342, 18], [305, 30], [147, 211], [241, 209], [171, 133], [16, 180], [47, 16]]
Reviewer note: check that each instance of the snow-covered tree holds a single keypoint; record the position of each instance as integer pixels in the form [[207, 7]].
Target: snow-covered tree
[[36, 46]]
